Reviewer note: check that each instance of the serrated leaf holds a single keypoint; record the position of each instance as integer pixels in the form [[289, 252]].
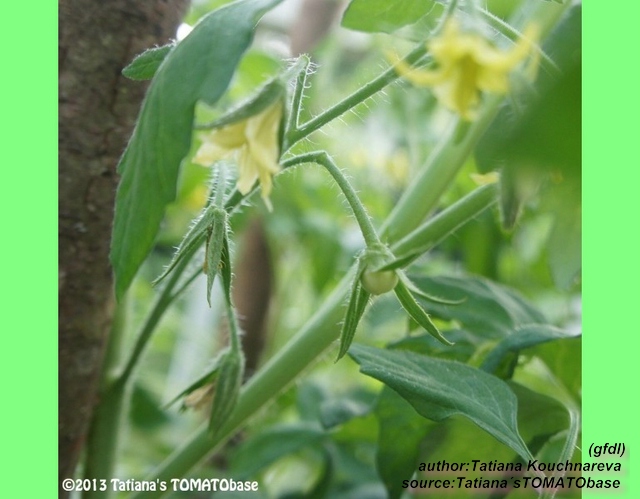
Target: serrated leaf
[[490, 310], [401, 432], [439, 389], [145, 65], [384, 16], [199, 68], [524, 337]]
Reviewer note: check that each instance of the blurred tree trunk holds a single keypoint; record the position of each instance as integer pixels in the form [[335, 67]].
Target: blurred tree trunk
[[254, 274], [97, 112]]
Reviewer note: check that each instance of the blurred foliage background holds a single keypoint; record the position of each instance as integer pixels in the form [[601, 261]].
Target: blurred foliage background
[[320, 438]]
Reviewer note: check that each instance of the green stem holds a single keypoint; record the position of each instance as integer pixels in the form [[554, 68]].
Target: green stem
[[319, 332], [317, 335], [300, 352], [322, 158], [444, 223], [102, 444], [437, 174], [105, 427], [165, 299], [106, 420], [363, 93], [293, 120]]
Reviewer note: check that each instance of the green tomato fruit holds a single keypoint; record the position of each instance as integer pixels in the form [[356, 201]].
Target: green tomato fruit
[[379, 282]]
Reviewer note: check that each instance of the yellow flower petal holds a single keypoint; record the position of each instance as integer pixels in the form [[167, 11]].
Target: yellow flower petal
[[230, 136], [247, 170], [208, 153], [255, 144], [467, 65], [420, 77]]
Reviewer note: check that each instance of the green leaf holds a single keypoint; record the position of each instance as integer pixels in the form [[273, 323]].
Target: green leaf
[[225, 268], [565, 240], [401, 432], [192, 240], [309, 398], [358, 300], [425, 344], [146, 411], [335, 412], [215, 248], [266, 95], [384, 15], [539, 415], [416, 312], [227, 388], [273, 444], [524, 337], [198, 69], [489, 309], [208, 377], [541, 149], [564, 359], [145, 65], [439, 389]]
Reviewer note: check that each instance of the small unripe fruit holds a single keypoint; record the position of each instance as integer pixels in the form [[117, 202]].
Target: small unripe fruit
[[379, 282]]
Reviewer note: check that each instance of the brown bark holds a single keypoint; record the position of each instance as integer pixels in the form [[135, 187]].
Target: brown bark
[[97, 111], [252, 292], [313, 24]]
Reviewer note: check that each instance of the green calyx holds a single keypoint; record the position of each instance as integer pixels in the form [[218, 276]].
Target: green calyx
[[373, 279], [268, 94]]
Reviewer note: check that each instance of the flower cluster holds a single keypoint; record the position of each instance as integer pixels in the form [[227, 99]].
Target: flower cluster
[[254, 144], [468, 64]]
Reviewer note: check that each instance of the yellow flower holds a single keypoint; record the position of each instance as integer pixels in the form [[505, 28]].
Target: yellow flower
[[466, 65], [254, 144]]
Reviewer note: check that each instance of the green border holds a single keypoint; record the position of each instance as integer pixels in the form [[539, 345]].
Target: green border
[[611, 176], [29, 249]]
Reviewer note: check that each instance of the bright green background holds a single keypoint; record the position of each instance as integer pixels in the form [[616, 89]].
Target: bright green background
[[29, 247], [611, 176], [28, 251]]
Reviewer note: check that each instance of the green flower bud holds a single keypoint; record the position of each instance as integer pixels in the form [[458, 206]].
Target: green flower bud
[[373, 280], [378, 282]]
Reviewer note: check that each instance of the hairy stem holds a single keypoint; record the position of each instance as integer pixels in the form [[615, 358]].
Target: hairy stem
[[161, 305], [422, 196], [323, 159], [310, 342], [363, 93], [431, 232], [320, 331], [103, 438]]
